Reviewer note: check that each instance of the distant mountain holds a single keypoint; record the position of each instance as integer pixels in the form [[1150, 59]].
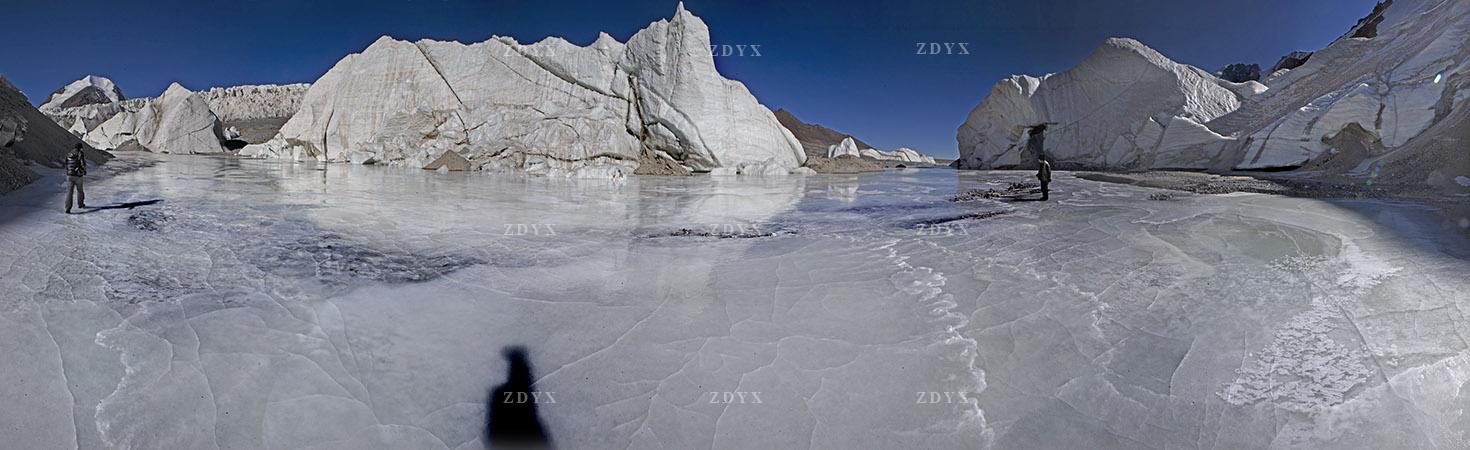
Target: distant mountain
[[27, 137], [89, 90], [814, 134]]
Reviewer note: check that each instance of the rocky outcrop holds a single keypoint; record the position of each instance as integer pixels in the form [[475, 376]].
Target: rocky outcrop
[[1240, 73], [1367, 27], [28, 138], [449, 162], [1111, 111], [180, 121], [89, 90], [1290, 61], [549, 107], [12, 130], [13, 172], [650, 164]]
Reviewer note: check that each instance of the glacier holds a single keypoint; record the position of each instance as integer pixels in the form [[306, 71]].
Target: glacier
[[547, 107], [1384, 103], [242, 303]]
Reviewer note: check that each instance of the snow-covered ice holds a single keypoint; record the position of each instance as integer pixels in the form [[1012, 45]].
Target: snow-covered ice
[[269, 304]]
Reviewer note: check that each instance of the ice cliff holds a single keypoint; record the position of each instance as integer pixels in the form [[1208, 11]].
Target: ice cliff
[[1109, 111], [256, 101], [179, 121], [225, 106], [1385, 98], [848, 147], [902, 154], [548, 107], [845, 148]]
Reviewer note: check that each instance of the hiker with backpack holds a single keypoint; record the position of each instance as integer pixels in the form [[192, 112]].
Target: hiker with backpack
[[76, 168]]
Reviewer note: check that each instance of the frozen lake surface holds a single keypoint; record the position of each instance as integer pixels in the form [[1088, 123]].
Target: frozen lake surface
[[264, 304]]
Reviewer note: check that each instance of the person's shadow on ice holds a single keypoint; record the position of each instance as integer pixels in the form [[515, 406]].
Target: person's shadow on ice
[[511, 408]]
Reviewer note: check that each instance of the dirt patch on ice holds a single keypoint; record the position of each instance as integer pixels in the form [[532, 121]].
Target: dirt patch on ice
[[334, 260], [1011, 191], [843, 164], [743, 231], [149, 220], [1208, 183], [980, 215], [255, 131]]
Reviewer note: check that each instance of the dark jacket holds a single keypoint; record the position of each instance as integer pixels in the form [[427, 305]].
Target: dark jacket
[[76, 164], [1044, 173]]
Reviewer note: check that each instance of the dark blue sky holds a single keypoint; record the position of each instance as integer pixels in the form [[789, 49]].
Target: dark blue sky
[[847, 64]]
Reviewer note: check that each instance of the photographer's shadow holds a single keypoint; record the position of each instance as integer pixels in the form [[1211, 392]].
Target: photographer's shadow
[[511, 408]]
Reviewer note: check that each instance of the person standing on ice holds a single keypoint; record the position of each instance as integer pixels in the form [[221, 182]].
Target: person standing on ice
[[1043, 173], [76, 168]]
